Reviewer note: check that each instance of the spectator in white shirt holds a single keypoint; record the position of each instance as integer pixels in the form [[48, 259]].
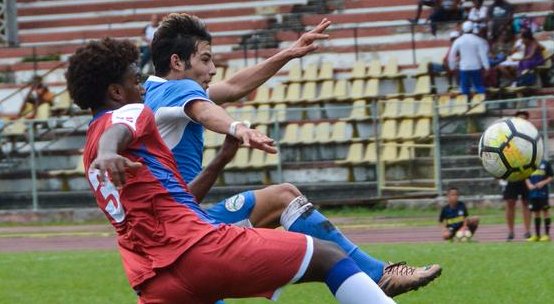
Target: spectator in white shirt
[[473, 51], [148, 35], [478, 15]]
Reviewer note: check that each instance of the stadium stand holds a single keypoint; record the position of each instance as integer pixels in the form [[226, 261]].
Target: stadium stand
[[364, 101]]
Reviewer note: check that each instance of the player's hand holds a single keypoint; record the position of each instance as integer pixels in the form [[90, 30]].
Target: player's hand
[[115, 165], [305, 44], [228, 149], [255, 139]]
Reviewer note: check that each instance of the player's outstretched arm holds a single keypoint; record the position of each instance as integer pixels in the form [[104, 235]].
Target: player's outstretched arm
[[114, 140], [215, 118], [246, 80], [202, 184]]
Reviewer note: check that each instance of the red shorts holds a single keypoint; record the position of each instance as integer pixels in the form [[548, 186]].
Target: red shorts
[[231, 262]]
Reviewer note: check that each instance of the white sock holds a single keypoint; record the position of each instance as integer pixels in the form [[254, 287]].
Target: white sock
[[360, 289]]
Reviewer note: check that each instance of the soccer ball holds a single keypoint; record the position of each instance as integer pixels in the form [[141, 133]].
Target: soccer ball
[[511, 149], [463, 236]]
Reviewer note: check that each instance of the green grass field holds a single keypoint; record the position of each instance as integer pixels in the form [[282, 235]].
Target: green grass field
[[473, 273]]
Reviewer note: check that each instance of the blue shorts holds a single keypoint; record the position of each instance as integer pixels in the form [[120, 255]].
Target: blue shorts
[[233, 210]]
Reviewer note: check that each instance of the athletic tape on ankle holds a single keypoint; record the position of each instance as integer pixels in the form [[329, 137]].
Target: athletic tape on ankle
[[294, 210]]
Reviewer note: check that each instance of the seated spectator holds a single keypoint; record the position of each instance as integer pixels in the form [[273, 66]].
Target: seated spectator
[[437, 68], [38, 94], [148, 35], [500, 14], [526, 55], [420, 5], [532, 58], [478, 15], [507, 69], [445, 11]]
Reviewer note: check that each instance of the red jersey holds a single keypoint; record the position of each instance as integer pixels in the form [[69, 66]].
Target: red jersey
[[155, 216]]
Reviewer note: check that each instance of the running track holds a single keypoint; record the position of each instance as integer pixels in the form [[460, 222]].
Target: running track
[[24, 239]]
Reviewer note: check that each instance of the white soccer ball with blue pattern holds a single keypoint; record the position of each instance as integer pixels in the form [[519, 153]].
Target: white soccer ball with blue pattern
[[511, 149]]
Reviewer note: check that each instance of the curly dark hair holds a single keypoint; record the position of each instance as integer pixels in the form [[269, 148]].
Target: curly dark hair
[[177, 34], [95, 66]]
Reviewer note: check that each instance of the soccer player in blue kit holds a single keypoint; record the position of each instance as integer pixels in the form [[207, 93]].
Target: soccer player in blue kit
[[183, 106]]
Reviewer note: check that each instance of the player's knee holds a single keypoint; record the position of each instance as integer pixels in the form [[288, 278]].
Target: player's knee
[[288, 191]]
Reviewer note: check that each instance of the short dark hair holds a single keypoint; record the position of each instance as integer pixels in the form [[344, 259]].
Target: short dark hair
[[95, 66], [452, 189], [177, 34], [522, 113]]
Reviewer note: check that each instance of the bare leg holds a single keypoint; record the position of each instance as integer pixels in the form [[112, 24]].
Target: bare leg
[[510, 214], [526, 216]]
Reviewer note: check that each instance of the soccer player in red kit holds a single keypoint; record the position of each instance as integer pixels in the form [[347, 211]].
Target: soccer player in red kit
[[172, 251]]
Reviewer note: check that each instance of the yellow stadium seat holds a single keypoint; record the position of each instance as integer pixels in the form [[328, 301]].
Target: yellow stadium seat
[[388, 129], [230, 71], [279, 113], [477, 105], [340, 91], [262, 95], [391, 70], [262, 129], [16, 128], [307, 133], [391, 108], [326, 72], [310, 72], [290, 136], [278, 93], [43, 111], [389, 152], [406, 151], [370, 155], [263, 114], [425, 107], [358, 70], [359, 110], [355, 155], [460, 106], [423, 86], [208, 156], [241, 160], [295, 73], [62, 103], [213, 139], [247, 112], [339, 132], [405, 129], [372, 89], [293, 92], [423, 67], [422, 128], [309, 92], [356, 90], [326, 91], [232, 111], [323, 133], [407, 107], [375, 69], [445, 107]]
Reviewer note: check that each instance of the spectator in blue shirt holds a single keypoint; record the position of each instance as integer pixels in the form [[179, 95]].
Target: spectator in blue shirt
[[455, 216]]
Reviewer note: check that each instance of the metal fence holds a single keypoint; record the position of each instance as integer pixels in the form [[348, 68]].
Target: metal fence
[[458, 132]]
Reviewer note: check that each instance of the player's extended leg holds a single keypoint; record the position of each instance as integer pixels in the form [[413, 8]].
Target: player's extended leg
[[526, 216], [297, 214], [510, 217]]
